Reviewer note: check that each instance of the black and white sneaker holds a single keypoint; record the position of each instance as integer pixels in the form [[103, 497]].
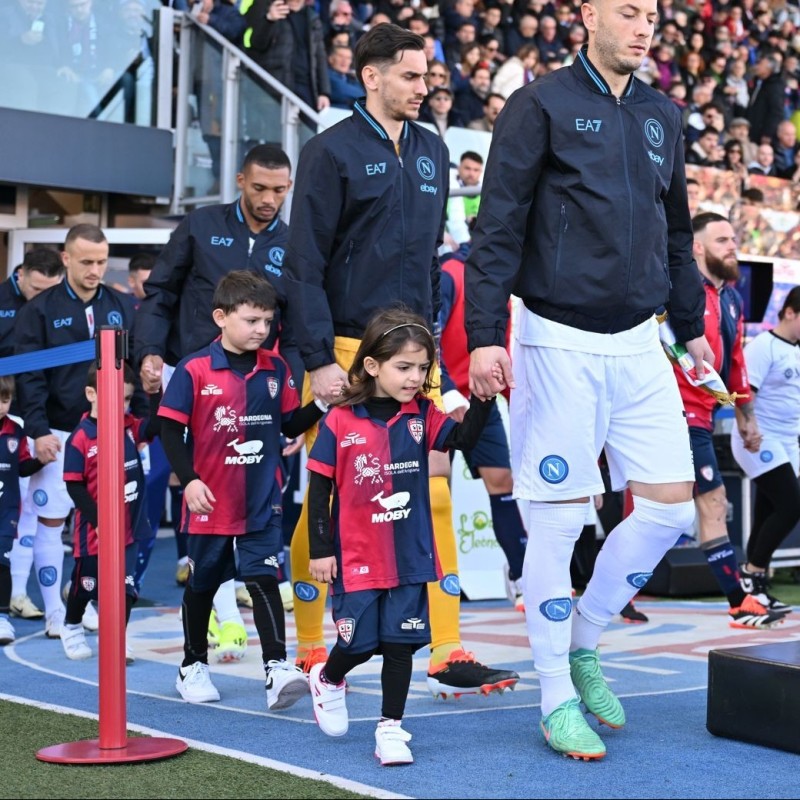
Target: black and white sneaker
[[757, 585]]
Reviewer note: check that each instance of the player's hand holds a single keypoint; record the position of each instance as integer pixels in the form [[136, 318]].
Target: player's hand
[[323, 570], [700, 350], [293, 445], [150, 373], [46, 448], [199, 498], [751, 436], [323, 102], [327, 382], [489, 371]]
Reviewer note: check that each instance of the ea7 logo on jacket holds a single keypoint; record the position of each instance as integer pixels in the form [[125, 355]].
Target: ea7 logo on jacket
[[376, 169], [221, 241], [64, 322], [588, 125]]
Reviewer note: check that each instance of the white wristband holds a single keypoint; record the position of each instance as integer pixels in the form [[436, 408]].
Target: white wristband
[[321, 404]]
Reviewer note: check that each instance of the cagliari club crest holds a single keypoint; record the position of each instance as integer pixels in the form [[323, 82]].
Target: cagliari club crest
[[13, 444], [346, 627], [416, 429], [272, 387]]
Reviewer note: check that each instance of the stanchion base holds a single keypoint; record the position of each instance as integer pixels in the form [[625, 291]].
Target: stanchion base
[[88, 751]]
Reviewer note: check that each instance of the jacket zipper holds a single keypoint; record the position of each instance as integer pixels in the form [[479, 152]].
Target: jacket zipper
[[620, 115], [402, 222]]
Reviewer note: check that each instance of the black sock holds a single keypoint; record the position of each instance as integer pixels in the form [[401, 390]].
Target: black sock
[[268, 616], [196, 613], [395, 678], [5, 588], [340, 662]]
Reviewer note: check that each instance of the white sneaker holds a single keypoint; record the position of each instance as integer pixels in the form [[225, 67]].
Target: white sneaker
[[22, 606], [194, 684], [330, 709], [391, 744], [286, 684], [91, 620], [513, 590], [73, 640], [52, 626], [287, 595], [7, 633]]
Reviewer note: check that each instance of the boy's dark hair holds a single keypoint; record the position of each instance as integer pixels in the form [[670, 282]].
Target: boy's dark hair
[[87, 231], [792, 301], [380, 45], [128, 375], [754, 195], [702, 220], [7, 387], [268, 156], [387, 332], [44, 260], [141, 261], [242, 286]]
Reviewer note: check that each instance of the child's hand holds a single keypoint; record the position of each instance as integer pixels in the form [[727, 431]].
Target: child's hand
[[323, 570], [199, 497]]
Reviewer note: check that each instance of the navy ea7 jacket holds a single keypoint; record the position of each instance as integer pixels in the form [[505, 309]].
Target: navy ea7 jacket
[[174, 318], [584, 213], [366, 226], [55, 397]]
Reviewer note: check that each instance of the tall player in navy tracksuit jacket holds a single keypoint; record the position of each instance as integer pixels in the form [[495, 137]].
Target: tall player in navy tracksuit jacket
[[375, 544]]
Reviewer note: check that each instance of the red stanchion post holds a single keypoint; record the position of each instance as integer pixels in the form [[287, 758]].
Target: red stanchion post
[[113, 745]]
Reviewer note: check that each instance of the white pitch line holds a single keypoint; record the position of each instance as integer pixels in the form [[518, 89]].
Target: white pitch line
[[300, 772]]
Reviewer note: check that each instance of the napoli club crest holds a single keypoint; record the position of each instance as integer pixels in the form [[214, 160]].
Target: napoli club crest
[[272, 387], [416, 429]]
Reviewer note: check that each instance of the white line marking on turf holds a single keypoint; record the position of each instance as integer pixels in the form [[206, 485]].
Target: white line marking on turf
[[300, 772]]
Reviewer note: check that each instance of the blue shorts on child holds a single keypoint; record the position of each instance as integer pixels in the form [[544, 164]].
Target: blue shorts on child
[[212, 559], [86, 570], [365, 618]]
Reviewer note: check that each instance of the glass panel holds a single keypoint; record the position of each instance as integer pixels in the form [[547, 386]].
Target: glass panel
[[203, 142], [80, 58]]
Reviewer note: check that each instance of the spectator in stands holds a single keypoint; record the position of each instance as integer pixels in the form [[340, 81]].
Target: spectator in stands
[[439, 111], [438, 74], [518, 70], [421, 25], [785, 147], [548, 39], [287, 41], [460, 74], [735, 89], [766, 110], [692, 67], [490, 52], [459, 13], [666, 65], [693, 115], [492, 24], [523, 33], [764, 163], [734, 161], [739, 129], [345, 89], [470, 99], [492, 105], [707, 151], [85, 56], [462, 211], [461, 55], [693, 191], [342, 20]]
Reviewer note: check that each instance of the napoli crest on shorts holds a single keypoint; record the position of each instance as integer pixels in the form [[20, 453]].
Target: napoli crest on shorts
[[426, 168], [788, 374], [557, 609], [40, 497], [346, 628], [272, 387], [654, 132], [707, 472], [305, 592], [88, 584], [766, 456], [416, 428], [553, 469], [13, 444], [114, 318], [638, 579]]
